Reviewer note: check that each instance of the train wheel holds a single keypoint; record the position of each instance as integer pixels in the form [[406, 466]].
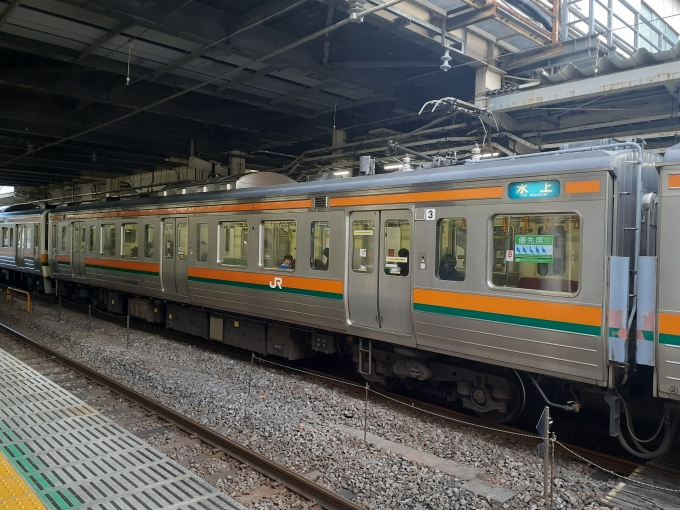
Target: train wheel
[[516, 403]]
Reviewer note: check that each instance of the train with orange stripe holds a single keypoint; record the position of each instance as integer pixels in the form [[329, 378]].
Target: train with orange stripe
[[479, 282]]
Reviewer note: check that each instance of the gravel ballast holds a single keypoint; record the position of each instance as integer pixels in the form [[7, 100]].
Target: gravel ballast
[[290, 418]]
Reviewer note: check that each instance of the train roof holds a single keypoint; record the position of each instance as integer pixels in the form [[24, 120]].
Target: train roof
[[672, 155], [539, 164]]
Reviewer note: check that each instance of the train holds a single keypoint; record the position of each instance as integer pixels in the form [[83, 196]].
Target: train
[[471, 280]]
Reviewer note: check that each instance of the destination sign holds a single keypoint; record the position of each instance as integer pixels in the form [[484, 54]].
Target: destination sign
[[534, 189]]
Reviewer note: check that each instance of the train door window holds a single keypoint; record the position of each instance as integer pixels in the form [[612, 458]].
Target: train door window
[[130, 241], [63, 238], [5, 237], [109, 240], [54, 237], [20, 237], [202, 242], [321, 242], [451, 249], [148, 241], [11, 237], [29, 237], [82, 238], [93, 238], [75, 233], [182, 240], [279, 244], [169, 240], [363, 242], [397, 244], [233, 242], [36, 236], [537, 252]]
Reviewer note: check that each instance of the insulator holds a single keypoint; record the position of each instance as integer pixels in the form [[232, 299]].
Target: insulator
[[445, 61], [356, 7]]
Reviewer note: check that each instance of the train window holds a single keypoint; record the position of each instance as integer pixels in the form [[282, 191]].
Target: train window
[[321, 242], [29, 235], [148, 240], [537, 252], [5, 237], [63, 238], [182, 240], [451, 249], [109, 240], [202, 242], [397, 244], [279, 244], [54, 237], [130, 241], [233, 241], [36, 237], [93, 238], [169, 240], [363, 234], [82, 238]]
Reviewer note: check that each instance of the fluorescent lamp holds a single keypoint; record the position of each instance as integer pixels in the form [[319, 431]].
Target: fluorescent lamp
[[392, 167], [342, 172]]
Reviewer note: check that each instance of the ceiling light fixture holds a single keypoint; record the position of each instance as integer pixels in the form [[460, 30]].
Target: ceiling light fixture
[[342, 172]]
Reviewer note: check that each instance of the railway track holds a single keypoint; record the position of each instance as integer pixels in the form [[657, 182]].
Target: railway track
[[291, 479], [622, 467]]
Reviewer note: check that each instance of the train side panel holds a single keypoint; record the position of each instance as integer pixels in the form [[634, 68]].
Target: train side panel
[[499, 310], [668, 321]]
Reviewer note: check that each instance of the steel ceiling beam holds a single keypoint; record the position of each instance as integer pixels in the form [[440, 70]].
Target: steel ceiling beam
[[306, 91], [118, 29], [250, 19], [263, 58], [8, 10], [666, 73], [471, 17]]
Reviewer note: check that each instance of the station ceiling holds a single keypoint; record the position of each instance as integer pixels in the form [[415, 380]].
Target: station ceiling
[[92, 89]]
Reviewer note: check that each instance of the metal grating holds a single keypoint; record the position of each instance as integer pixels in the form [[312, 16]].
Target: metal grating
[[320, 202], [73, 457]]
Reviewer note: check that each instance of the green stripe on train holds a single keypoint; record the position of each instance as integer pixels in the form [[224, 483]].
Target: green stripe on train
[[122, 270], [256, 286], [568, 327], [667, 339]]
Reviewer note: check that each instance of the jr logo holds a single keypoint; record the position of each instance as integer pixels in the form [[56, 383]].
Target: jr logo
[[276, 283]]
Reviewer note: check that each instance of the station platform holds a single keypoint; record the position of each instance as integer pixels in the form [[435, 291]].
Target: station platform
[[58, 453]]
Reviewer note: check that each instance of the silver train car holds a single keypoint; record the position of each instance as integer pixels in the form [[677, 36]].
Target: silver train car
[[23, 247], [468, 282]]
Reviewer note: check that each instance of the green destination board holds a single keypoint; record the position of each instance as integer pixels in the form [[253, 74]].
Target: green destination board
[[535, 249]]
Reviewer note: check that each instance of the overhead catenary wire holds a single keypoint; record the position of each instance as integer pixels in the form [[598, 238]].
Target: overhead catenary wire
[[200, 85]]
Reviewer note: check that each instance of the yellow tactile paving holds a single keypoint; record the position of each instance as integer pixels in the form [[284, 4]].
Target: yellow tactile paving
[[15, 494]]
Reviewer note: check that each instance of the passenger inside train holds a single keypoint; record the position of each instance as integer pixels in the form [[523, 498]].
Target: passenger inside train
[[447, 268]]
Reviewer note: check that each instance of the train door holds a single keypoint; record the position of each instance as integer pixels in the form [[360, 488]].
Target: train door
[[174, 261], [78, 242], [19, 257], [379, 278]]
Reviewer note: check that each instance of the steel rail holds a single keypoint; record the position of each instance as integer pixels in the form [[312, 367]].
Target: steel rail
[[294, 481], [623, 466]]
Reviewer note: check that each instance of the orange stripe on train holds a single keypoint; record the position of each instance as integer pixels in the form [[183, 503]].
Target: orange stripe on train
[[175, 211], [122, 264], [669, 324], [295, 282], [577, 314], [424, 196], [582, 187]]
